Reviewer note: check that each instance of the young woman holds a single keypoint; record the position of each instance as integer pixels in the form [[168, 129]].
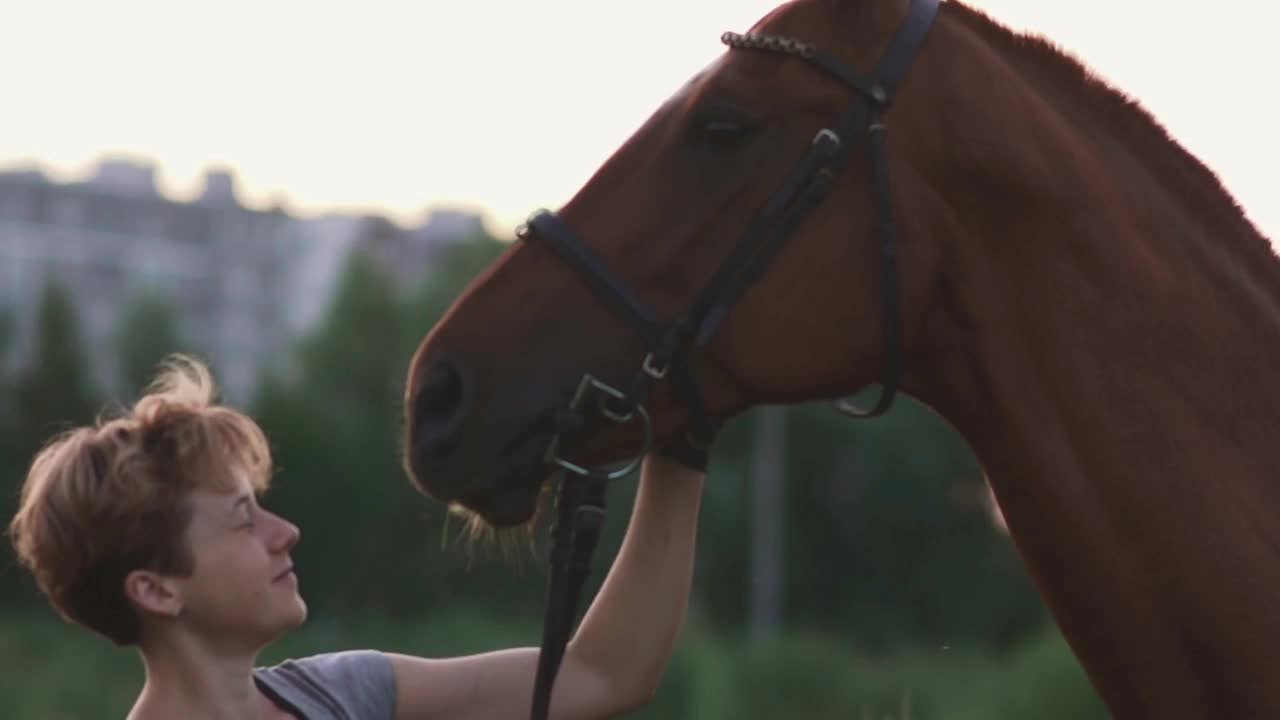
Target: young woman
[[147, 529]]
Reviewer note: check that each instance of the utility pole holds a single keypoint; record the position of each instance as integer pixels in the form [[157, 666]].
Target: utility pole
[[767, 512]]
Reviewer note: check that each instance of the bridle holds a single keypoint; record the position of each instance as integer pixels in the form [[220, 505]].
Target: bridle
[[582, 492]]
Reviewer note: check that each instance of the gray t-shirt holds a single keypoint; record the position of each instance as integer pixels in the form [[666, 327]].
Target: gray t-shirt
[[347, 685]]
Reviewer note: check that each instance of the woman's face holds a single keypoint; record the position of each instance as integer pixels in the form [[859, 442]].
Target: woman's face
[[242, 587]]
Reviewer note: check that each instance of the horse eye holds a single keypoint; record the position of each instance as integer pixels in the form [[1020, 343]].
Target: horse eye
[[721, 133]]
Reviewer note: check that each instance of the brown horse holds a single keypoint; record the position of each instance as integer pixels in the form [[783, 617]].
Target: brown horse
[[1079, 297]]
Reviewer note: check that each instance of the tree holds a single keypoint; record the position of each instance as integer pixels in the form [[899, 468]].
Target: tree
[[901, 548], [148, 331], [55, 390], [6, 343], [8, 429], [6, 335], [332, 428], [50, 394]]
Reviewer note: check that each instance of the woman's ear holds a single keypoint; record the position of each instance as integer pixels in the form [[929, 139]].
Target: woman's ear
[[153, 593]]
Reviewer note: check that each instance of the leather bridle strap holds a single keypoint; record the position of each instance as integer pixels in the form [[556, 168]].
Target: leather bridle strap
[[667, 340], [558, 236], [581, 514]]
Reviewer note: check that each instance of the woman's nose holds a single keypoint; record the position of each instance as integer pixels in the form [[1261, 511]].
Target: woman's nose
[[286, 534]]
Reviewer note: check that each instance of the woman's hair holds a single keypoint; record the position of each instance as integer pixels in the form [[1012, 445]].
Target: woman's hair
[[102, 500]]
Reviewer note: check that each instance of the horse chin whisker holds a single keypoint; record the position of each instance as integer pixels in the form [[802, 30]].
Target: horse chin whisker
[[478, 533]]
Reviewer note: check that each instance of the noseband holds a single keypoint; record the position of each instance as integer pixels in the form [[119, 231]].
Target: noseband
[[581, 500]]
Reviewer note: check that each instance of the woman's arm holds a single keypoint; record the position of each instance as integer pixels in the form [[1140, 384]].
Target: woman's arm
[[615, 660]]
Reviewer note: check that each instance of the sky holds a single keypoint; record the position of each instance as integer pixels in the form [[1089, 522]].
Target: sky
[[504, 107]]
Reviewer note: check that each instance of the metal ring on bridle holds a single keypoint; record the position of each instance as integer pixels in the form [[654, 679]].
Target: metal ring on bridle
[[588, 382], [611, 392], [829, 134], [651, 371]]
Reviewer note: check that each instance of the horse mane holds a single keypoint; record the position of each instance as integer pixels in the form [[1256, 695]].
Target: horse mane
[[1194, 182]]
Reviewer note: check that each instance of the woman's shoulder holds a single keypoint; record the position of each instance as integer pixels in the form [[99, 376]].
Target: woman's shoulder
[[342, 685]]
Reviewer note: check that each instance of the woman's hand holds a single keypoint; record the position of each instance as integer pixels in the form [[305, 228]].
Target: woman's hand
[[693, 453]]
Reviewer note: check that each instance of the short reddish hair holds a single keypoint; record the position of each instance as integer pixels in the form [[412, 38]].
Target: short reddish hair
[[102, 500]]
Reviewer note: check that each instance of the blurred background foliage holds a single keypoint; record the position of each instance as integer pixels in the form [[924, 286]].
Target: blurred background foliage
[[893, 593]]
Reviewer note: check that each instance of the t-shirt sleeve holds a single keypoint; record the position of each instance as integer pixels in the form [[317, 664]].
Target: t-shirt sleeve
[[347, 685]]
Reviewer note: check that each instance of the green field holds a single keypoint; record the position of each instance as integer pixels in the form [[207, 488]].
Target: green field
[[50, 671]]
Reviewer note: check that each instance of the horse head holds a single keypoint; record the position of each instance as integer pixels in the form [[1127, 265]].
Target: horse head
[[741, 247]]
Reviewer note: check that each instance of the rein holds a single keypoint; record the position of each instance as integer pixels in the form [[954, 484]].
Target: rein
[[581, 501]]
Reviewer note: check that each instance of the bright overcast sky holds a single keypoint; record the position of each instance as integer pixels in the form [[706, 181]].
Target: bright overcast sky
[[394, 107]]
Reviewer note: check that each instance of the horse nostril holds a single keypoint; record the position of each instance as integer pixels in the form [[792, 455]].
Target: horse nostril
[[437, 409]]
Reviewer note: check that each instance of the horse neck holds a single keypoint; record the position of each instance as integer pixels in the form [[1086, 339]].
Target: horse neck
[[1103, 338]]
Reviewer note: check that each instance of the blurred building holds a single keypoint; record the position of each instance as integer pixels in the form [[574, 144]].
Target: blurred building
[[243, 283], [405, 253]]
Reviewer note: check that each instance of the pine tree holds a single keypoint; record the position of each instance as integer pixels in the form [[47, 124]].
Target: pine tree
[[55, 390]]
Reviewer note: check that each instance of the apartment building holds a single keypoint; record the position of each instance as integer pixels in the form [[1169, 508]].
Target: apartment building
[[244, 283]]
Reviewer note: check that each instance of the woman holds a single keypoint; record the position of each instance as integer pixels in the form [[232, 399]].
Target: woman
[[147, 529]]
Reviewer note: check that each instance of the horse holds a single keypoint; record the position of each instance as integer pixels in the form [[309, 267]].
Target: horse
[[1074, 292]]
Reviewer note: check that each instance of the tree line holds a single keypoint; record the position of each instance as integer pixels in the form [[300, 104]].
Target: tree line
[[882, 536]]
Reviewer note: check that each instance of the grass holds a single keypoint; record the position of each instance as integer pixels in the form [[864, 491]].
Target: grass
[[52, 671]]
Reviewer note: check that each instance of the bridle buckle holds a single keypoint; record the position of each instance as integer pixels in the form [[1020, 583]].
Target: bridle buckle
[[588, 384]]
